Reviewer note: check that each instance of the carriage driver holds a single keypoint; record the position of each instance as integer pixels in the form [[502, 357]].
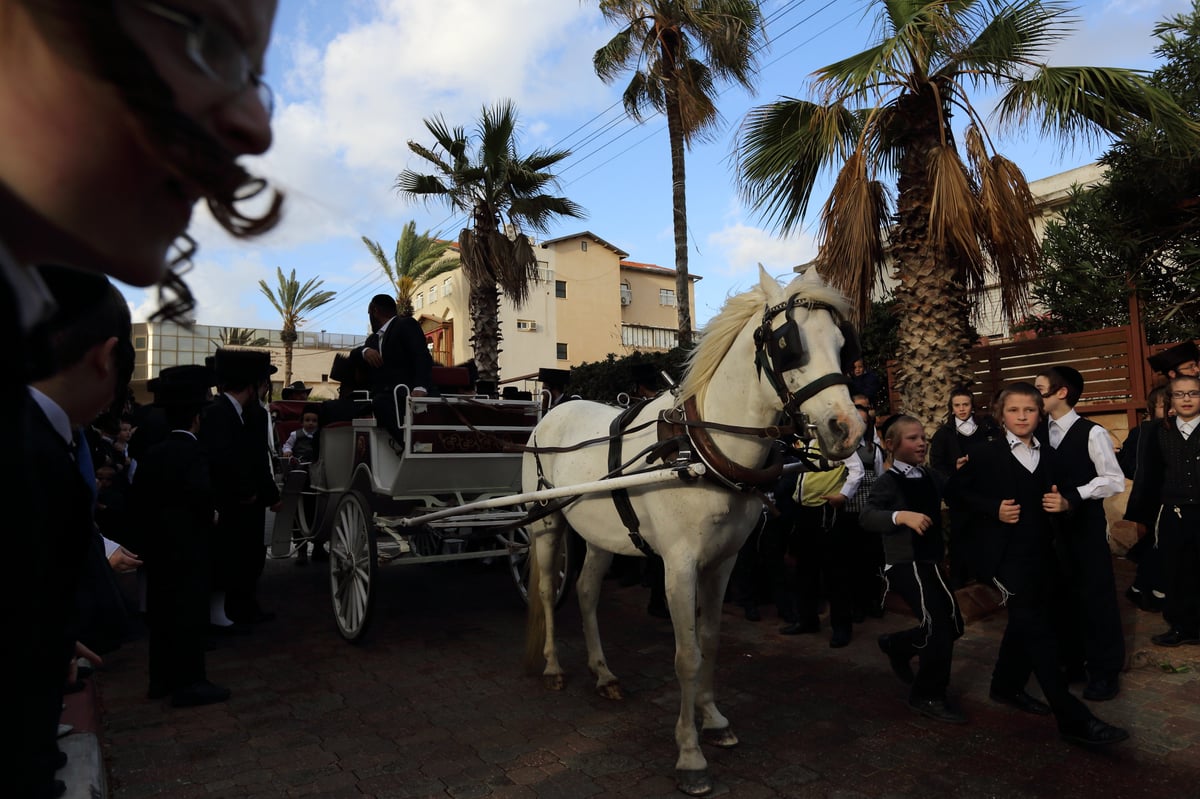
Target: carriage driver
[[395, 354]]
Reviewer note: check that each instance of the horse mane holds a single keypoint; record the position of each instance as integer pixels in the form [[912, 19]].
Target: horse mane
[[723, 329]]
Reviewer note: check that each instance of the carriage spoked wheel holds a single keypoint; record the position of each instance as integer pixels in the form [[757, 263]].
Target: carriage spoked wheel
[[353, 566], [570, 557]]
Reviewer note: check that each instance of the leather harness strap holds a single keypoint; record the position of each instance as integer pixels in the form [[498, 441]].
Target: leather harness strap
[[620, 496]]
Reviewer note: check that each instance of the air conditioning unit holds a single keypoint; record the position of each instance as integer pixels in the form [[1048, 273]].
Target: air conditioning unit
[[626, 296], [533, 325]]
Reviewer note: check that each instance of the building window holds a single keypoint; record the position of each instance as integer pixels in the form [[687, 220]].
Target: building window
[[526, 324], [544, 273], [139, 343], [432, 294], [447, 288], [419, 301], [560, 289], [561, 351], [583, 245], [666, 297]]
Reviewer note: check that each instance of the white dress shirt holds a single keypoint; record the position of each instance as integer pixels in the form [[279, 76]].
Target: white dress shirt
[[1027, 454], [1186, 428], [1109, 480]]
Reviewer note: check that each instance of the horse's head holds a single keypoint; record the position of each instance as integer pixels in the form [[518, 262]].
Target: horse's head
[[804, 348]]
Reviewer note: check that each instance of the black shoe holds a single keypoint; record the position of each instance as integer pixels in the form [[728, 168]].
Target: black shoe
[[801, 627], [1101, 689], [1174, 637], [1094, 732], [200, 693], [840, 638], [1022, 702], [49, 790], [1074, 674], [752, 613], [938, 710], [900, 663], [257, 616], [858, 616]]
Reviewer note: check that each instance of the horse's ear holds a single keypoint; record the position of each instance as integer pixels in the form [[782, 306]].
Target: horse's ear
[[770, 286]]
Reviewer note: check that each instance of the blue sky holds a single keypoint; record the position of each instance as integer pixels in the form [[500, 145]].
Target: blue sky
[[354, 79]]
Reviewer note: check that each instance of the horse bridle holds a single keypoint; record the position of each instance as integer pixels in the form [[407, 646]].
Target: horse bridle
[[782, 350]]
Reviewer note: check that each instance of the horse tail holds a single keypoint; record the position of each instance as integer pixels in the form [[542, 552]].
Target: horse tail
[[535, 619]]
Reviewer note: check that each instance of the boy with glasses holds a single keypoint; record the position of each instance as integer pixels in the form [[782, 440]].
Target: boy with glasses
[[1166, 490]]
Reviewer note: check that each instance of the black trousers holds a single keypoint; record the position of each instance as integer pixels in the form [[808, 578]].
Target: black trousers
[[1090, 630], [1030, 646], [177, 589], [238, 558], [960, 541], [941, 624], [1179, 539]]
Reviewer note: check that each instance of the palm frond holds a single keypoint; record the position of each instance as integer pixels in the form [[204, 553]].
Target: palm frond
[[1012, 246], [852, 224], [1010, 39], [1087, 102], [613, 58], [782, 149], [954, 211]]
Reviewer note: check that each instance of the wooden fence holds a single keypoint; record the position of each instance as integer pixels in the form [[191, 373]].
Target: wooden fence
[[1112, 361]]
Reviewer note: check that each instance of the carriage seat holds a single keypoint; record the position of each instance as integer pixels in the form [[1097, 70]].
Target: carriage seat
[[451, 379]]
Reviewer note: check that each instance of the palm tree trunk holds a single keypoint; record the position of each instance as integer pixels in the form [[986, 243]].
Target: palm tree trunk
[[683, 302], [485, 329], [287, 363], [932, 303]]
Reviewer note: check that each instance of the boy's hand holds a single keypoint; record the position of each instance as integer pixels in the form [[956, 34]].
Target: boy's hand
[[1010, 511], [917, 522], [961, 462], [836, 500], [1055, 502]]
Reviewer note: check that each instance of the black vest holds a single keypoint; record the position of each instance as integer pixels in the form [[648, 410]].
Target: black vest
[[921, 495], [1074, 466], [1181, 477]]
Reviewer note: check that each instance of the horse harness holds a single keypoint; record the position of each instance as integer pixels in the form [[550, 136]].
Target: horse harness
[[682, 432]]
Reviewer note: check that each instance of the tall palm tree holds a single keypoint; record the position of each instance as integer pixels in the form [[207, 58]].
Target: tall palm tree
[[293, 300], [677, 50], [960, 212], [502, 192], [239, 337], [418, 258]]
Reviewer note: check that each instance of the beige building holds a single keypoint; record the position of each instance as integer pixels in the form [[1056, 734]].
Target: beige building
[[587, 302]]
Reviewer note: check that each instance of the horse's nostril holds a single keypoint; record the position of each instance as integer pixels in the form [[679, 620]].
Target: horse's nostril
[[838, 427]]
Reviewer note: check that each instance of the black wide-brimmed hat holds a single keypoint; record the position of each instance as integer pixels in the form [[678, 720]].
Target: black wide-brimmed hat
[[296, 391], [1168, 359], [554, 378], [182, 385], [235, 365]]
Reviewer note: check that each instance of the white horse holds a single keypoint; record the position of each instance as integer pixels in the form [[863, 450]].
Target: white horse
[[697, 528]]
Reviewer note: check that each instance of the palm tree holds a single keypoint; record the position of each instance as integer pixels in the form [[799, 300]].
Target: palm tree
[[677, 50], [293, 301], [239, 337], [418, 258], [502, 192], [957, 216]]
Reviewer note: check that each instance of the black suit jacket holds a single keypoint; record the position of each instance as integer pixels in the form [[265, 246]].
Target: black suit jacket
[[237, 454], [406, 358], [991, 476]]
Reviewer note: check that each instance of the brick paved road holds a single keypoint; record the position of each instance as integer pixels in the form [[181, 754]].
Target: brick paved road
[[437, 706]]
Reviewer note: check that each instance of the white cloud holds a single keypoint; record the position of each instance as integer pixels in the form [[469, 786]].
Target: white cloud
[[741, 248]]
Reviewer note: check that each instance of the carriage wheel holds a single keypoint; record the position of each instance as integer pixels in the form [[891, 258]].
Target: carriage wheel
[[353, 566], [570, 556]]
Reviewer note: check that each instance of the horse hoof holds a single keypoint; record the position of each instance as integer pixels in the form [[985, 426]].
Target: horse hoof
[[611, 691], [721, 737], [553, 682], [694, 783]]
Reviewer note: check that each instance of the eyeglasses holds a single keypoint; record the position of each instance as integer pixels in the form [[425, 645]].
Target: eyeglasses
[[1193, 394], [865, 408], [214, 50]]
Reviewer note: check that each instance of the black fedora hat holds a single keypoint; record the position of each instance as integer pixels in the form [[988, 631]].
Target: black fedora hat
[[1169, 359], [296, 391], [555, 378], [182, 385], [235, 365]]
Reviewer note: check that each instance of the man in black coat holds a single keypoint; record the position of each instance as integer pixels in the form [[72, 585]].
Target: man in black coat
[[91, 358], [234, 436], [172, 496], [395, 354]]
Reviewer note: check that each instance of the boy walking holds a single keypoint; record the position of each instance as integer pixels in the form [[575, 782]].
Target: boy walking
[[1088, 472], [1010, 486], [905, 506]]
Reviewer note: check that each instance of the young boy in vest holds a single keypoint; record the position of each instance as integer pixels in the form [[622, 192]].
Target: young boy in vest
[[1088, 472], [905, 506], [1010, 487], [1167, 485]]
